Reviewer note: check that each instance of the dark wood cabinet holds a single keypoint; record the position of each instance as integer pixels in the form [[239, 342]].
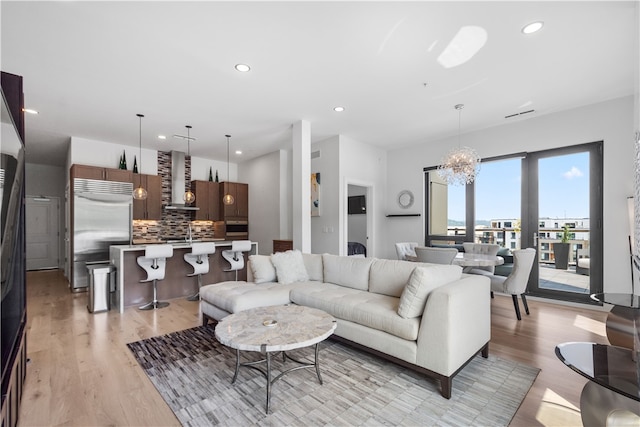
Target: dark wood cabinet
[[151, 207], [104, 174], [208, 199], [282, 245], [240, 208]]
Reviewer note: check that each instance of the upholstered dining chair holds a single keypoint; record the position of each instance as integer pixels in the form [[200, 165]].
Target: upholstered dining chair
[[516, 283], [484, 249], [436, 255], [406, 248]]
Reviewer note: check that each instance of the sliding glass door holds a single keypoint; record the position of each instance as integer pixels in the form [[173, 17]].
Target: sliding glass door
[[564, 221], [549, 200]]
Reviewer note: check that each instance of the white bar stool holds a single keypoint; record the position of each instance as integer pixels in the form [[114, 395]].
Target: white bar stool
[[235, 255], [154, 262], [199, 260]]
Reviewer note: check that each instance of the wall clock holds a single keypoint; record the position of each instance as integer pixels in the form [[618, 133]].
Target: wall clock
[[405, 199]]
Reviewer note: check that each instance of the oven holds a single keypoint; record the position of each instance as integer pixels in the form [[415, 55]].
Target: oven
[[237, 228]]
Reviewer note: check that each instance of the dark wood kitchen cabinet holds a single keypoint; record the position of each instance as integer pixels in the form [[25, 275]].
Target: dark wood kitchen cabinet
[[104, 174], [151, 207], [240, 208], [208, 199]]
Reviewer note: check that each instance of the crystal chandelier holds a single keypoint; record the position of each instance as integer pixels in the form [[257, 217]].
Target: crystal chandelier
[[461, 165]]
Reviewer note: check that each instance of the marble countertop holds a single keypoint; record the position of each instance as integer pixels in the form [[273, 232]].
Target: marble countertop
[[275, 328], [140, 247]]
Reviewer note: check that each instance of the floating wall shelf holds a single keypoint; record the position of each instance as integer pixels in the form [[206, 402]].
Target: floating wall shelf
[[400, 215]]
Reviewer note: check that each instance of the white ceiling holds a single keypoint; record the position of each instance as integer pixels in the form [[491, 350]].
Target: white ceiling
[[89, 67]]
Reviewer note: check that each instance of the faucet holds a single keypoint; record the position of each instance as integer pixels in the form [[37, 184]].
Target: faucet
[[189, 237]]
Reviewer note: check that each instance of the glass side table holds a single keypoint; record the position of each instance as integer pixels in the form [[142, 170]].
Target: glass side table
[[613, 379], [620, 321]]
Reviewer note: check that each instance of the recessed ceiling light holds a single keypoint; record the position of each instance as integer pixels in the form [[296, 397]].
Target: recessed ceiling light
[[338, 109], [238, 151], [243, 68], [29, 110], [162, 137], [533, 27]]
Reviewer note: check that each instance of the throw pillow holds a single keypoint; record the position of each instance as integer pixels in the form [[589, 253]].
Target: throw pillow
[[262, 269], [423, 280], [289, 267]]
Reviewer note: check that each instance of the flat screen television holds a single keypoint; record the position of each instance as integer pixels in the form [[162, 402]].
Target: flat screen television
[[357, 205]]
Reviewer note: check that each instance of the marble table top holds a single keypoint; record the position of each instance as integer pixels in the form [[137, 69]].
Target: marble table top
[[275, 328], [466, 259]]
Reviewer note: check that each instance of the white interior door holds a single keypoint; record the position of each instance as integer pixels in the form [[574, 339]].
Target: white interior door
[[42, 232]]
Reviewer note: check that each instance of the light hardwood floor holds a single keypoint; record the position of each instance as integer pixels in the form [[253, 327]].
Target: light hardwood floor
[[81, 372]]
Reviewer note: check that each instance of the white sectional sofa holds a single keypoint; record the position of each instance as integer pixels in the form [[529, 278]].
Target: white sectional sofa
[[429, 317]]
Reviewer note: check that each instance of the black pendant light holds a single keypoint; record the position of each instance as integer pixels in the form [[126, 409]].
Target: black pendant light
[[140, 193], [228, 198], [189, 197]]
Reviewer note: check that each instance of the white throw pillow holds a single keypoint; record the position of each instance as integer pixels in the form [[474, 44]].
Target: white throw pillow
[[289, 267], [423, 280], [262, 268]]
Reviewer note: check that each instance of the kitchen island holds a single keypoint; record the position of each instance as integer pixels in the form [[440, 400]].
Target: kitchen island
[[129, 291]]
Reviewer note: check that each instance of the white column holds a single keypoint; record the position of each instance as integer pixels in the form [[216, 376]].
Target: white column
[[301, 138]]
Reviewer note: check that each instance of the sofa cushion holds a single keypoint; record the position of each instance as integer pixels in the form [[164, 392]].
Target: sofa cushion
[[365, 308], [289, 267], [425, 279], [347, 271], [313, 264], [262, 268], [238, 296], [389, 277]]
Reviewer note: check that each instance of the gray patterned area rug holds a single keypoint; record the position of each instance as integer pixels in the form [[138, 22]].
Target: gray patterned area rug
[[193, 372]]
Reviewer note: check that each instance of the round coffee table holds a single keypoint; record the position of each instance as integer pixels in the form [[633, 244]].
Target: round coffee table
[[275, 329]]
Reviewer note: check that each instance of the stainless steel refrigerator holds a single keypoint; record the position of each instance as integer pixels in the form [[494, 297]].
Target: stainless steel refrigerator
[[102, 214]]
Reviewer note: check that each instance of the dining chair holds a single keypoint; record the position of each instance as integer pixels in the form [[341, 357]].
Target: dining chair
[[436, 255], [484, 249], [516, 283], [406, 248]]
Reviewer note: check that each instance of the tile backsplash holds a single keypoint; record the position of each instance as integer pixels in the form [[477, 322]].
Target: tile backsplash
[[174, 223]]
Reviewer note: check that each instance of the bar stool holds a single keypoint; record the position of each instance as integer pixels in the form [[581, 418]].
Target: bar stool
[[154, 262], [199, 260], [235, 255]]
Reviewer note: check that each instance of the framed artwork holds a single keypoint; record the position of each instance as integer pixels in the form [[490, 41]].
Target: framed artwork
[[315, 194]]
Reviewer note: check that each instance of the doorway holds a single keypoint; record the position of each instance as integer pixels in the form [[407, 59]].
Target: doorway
[[357, 222], [42, 232], [564, 221]]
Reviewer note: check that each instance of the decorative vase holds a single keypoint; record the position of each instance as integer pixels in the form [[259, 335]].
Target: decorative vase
[[120, 162], [210, 174], [217, 180], [124, 160], [135, 164]]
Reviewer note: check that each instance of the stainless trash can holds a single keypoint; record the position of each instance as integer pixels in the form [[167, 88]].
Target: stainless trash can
[[100, 277]]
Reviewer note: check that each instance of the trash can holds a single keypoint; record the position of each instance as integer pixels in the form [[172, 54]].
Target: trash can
[[100, 277]]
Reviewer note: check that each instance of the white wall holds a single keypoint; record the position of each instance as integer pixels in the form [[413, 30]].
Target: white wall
[[364, 165], [46, 180], [611, 122], [263, 176], [200, 170], [325, 228]]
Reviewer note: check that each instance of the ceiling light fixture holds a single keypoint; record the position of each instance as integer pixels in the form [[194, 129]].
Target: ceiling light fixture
[[238, 152], [461, 165], [162, 137], [140, 193], [243, 68], [532, 27], [30, 111], [228, 198], [338, 109], [189, 197]]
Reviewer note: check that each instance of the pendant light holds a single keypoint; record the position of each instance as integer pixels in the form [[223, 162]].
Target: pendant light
[[461, 165], [140, 193], [228, 198], [189, 197]]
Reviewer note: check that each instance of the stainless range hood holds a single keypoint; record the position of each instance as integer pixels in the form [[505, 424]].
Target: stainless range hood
[[178, 183]]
